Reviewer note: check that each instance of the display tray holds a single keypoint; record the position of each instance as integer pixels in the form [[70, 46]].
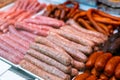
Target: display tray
[[15, 72]]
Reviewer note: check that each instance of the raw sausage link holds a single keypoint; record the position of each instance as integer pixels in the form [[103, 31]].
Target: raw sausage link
[[51, 69], [8, 56], [34, 69], [72, 51], [10, 50], [74, 72], [13, 44], [52, 53], [49, 60], [79, 28], [14, 31]]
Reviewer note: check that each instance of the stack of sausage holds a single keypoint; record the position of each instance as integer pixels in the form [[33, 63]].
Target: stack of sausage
[[63, 52], [101, 66], [14, 44], [91, 19], [113, 44], [19, 11], [39, 25]]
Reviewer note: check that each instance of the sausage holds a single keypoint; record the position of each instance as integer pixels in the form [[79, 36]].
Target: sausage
[[18, 40], [10, 50], [85, 49], [95, 72], [104, 27], [48, 68], [14, 31], [74, 72], [82, 76], [51, 53], [49, 60], [106, 15], [31, 3], [23, 16], [12, 16], [38, 8], [63, 14], [57, 13], [81, 14], [72, 51], [77, 11], [41, 73], [117, 71], [9, 57], [101, 61], [43, 40], [84, 35], [92, 77], [79, 28], [89, 15], [13, 44], [78, 65], [6, 25], [111, 65], [29, 35], [75, 38], [113, 78], [106, 21], [85, 24], [104, 77], [46, 21], [32, 29], [91, 60], [25, 4]]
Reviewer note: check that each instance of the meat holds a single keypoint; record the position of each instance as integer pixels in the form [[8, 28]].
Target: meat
[[111, 65], [104, 77], [41, 20], [47, 68], [51, 53], [79, 28], [34, 69], [13, 44], [32, 29], [91, 60], [49, 60], [82, 76], [6, 55], [101, 61], [14, 31], [73, 52], [92, 77], [117, 71]]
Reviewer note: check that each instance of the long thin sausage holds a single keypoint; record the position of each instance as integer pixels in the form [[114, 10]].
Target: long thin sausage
[[52, 53], [34, 69], [49, 60], [48, 68], [79, 28], [72, 51]]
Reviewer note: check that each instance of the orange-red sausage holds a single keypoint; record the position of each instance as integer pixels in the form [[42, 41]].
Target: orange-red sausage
[[91, 60], [101, 61], [111, 65], [117, 71]]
